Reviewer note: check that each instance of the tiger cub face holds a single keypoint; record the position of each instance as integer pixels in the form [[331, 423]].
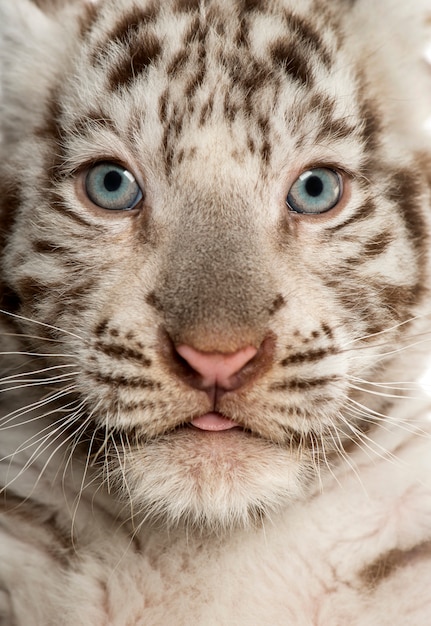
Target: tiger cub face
[[204, 208]]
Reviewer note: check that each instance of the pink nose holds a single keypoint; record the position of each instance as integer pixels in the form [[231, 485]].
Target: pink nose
[[215, 368]]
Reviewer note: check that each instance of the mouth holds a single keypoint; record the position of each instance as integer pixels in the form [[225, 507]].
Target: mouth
[[213, 422]]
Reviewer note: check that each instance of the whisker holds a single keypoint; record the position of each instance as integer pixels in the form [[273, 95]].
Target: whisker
[[61, 431], [72, 448], [14, 377], [375, 414], [382, 394], [401, 385], [41, 382], [339, 447], [17, 413], [374, 448], [32, 321], [383, 355], [122, 466], [28, 336], [81, 430], [315, 456], [371, 416], [37, 418], [384, 331], [37, 354], [325, 457], [42, 443], [36, 438]]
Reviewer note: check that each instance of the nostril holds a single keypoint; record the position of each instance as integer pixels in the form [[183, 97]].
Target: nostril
[[216, 369]]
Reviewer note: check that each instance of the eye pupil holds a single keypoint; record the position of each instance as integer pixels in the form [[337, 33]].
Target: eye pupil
[[314, 186], [112, 181]]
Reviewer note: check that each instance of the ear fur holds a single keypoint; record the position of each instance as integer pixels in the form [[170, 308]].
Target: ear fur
[[391, 39], [35, 38]]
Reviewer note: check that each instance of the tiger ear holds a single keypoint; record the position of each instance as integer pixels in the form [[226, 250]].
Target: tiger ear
[[35, 39], [396, 35]]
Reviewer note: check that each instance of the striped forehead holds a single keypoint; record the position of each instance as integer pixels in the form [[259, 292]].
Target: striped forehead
[[189, 63], [176, 34]]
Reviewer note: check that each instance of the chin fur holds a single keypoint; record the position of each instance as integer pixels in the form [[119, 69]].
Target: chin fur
[[211, 481]]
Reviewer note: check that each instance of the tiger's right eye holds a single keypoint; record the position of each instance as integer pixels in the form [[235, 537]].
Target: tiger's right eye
[[112, 187]]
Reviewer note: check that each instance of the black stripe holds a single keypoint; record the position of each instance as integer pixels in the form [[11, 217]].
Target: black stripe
[[43, 246], [392, 561], [375, 246], [362, 214], [125, 30], [277, 304], [248, 6], [178, 63], [57, 203], [10, 201], [398, 299], [293, 61], [308, 357], [138, 55], [51, 126], [123, 381], [405, 189], [33, 290], [330, 126], [371, 121], [117, 351], [92, 121], [309, 36], [186, 6], [297, 384]]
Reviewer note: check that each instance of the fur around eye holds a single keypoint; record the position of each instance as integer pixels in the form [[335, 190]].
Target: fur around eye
[[315, 191], [112, 187]]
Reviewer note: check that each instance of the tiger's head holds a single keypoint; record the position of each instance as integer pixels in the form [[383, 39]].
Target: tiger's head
[[208, 210]]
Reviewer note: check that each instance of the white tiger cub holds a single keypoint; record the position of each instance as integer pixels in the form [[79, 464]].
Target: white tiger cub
[[215, 310]]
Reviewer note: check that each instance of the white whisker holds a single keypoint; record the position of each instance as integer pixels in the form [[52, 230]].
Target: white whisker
[[371, 447], [39, 417], [17, 377], [61, 355], [28, 336], [339, 447], [17, 413], [382, 394], [401, 386], [390, 329], [386, 422], [44, 382], [42, 441], [76, 441], [325, 457], [32, 321]]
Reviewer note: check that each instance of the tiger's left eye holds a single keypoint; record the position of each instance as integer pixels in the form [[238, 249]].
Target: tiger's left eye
[[316, 191], [111, 186]]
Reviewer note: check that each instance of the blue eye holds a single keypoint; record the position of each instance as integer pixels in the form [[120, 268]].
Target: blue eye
[[316, 191], [111, 186]]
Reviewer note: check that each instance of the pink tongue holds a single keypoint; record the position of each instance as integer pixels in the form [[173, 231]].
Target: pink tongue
[[214, 422]]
